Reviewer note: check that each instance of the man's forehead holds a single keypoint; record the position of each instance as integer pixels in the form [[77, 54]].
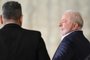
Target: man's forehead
[[66, 16]]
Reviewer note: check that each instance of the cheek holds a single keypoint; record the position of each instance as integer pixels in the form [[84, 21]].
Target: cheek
[[67, 27], [64, 29]]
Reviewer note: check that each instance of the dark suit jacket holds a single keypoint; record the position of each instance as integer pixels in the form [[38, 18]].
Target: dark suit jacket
[[73, 47], [17, 43]]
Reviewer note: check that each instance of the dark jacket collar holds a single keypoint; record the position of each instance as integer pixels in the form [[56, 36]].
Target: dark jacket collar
[[11, 25]]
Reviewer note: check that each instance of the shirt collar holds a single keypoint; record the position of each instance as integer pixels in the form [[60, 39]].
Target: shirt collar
[[65, 35]]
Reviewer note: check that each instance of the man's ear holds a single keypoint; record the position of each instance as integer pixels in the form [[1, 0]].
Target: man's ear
[[20, 21], [76, 26], [1, 20]]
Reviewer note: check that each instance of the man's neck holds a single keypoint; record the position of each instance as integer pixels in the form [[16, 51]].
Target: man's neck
[[10, 22], [69, 33]]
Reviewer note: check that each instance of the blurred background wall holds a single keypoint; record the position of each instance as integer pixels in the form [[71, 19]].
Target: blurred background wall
[[44, 16]]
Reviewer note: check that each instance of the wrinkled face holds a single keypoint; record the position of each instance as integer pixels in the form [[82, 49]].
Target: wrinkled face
[[66, 25]]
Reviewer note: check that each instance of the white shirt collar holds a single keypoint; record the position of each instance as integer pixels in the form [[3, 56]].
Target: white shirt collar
[[65, 35]]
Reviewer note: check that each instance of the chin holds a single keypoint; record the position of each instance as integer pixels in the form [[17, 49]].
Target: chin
[[63, 33]]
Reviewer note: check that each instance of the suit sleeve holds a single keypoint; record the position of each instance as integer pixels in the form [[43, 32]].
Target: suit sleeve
[[42, 52], [64, 51]]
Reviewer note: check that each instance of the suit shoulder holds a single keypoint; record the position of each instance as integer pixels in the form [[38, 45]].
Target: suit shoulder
[[75, 34], [31, 31]]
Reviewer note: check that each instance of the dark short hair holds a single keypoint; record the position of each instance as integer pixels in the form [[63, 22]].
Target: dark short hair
[[12, 10]]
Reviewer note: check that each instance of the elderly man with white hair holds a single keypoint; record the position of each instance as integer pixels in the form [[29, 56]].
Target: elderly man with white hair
[[74, 45]]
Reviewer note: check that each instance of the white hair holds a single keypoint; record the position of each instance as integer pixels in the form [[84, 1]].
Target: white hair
[[75, 16]]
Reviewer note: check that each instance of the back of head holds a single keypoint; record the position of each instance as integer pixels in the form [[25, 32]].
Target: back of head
[[12, 10], [75, 17]]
